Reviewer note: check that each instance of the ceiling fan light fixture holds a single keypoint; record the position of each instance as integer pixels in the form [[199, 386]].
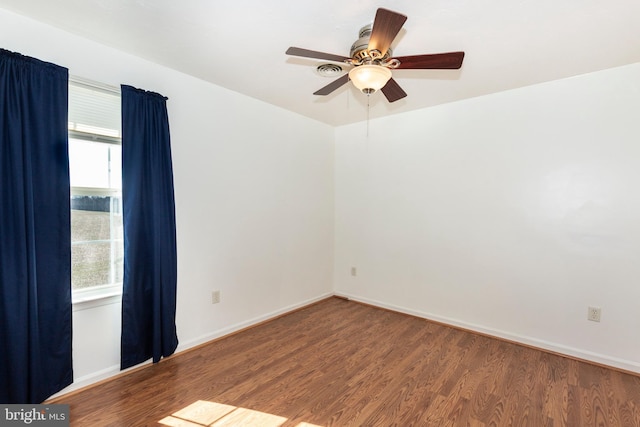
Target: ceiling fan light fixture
[[370, 78]]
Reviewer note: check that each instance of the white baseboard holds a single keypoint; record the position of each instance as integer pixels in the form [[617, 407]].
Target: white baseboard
[[602, 359], [112, 371], [251, 322], [577, 353], [87, 380]]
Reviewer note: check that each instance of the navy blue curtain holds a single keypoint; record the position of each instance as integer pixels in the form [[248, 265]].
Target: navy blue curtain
[[35, 236], [150, 265]]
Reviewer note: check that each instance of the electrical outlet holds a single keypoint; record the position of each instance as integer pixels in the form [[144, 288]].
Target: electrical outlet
[[354, 272], [593, 314], [215, 297]]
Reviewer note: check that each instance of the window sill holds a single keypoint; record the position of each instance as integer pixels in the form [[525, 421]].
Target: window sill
[[86, 299]]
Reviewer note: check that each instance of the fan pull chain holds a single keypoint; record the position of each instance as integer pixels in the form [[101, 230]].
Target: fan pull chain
[[368, 108]]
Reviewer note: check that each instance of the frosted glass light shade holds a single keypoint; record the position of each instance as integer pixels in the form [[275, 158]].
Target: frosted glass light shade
[[370, 78]]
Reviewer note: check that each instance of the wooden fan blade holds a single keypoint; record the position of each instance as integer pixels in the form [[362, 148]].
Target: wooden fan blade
[[296, 51], [441, 61], [332, 86], [386, 27], [392, 91]]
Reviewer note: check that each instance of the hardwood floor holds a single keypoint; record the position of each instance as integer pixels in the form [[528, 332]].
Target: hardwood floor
[[340, 363]]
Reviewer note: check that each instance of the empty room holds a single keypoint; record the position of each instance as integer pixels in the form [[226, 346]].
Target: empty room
[[320, 214]]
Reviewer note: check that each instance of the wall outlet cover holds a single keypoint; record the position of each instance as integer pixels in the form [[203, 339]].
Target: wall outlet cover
[[593, 314], [215, 297]]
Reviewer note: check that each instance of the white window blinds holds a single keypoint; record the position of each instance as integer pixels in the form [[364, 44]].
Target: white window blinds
[[94, 112]]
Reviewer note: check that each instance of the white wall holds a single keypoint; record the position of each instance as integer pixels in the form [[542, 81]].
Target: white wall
[[508, 214], [254, 199]]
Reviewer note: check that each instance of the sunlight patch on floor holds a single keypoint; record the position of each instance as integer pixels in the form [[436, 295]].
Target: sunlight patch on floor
[[212, 414]]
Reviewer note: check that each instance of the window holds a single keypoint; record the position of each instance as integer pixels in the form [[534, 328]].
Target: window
[[95, 169]]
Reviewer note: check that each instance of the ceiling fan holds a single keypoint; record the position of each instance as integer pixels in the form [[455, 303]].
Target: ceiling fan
[[372, 60]]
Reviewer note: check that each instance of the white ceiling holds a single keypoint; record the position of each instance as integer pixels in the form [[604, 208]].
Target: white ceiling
[[241, 44]]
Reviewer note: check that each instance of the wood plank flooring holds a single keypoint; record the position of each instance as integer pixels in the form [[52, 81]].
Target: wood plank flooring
[[340, 363]]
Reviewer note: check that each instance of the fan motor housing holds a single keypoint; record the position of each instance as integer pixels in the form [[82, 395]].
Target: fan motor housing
[[360, 48]]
